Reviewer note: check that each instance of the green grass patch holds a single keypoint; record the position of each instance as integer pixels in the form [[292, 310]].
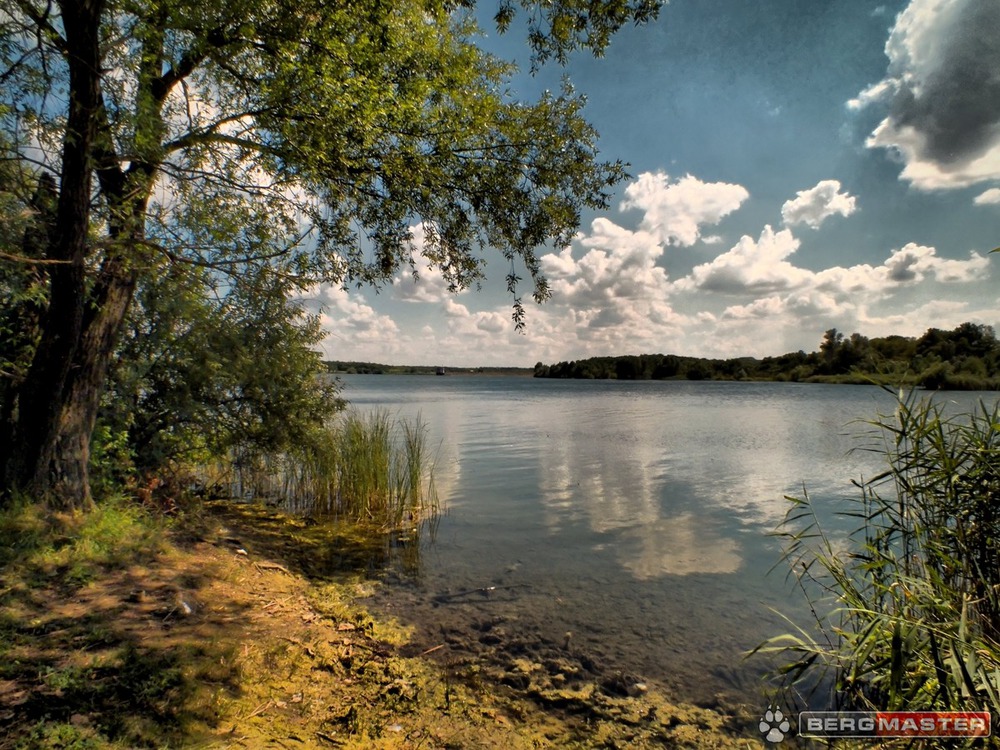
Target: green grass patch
[[134, 698], [77, 670], [76, 546]]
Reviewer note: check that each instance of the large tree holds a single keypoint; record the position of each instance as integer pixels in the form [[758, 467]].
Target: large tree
[[303, 135]]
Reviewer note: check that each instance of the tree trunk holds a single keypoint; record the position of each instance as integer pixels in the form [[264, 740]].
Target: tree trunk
[[42, 397], [71, 455]]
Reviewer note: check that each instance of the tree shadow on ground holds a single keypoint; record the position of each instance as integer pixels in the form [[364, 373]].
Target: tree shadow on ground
[[137, 655], [149, 646]]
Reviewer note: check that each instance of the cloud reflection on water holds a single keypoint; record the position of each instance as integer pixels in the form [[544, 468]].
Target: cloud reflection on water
[[668, 483]]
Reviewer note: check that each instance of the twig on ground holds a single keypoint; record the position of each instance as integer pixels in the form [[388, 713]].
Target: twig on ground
[[271, 566], [260, 709], [484, 590]]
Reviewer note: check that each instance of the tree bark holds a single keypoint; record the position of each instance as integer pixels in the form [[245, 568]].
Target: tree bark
[[71, 455], [42, 396]]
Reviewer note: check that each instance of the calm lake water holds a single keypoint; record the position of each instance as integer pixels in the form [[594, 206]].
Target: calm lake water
[[633, 515]]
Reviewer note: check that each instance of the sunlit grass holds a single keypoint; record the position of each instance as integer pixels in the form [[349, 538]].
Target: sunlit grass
[[79, 544]]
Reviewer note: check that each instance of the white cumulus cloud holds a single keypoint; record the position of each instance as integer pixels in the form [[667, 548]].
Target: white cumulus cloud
[[943, 93], [757, 266], [990, 197], [814, 206], [355, 330], [914, 262], [675, 211], [619, 266]]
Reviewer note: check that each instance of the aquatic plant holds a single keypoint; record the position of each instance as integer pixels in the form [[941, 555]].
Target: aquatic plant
[[906, 609], [370, 467]]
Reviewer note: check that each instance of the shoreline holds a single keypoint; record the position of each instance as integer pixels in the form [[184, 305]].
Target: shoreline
[[241, 642]]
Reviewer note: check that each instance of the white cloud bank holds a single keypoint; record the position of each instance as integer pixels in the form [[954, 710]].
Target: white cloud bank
[[355, 329], [750, 266], [942, 92], [612, 293]]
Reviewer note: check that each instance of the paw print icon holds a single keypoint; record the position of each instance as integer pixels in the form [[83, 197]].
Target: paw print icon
[[774, 726]]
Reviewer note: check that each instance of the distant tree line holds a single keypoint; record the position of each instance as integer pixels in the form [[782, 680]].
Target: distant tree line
[[374, 368], [966, 358], [363, 368]]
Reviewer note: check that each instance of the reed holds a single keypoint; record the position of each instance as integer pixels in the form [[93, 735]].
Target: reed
[[906, 609], [370, 467]]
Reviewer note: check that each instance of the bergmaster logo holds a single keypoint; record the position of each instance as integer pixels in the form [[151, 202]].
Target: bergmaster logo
[[903, 724], [774, 726]]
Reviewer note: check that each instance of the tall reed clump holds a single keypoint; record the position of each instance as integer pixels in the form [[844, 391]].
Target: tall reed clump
[[370, 467], [908, 606]]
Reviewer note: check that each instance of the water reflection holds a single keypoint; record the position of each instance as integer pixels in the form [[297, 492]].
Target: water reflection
[[667, 475], [668, 478], [680, 545], [608, 474], [635, 515]]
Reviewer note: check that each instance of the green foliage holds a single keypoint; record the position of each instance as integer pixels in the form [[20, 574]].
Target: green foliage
[[555, 29], [76, 547], [319, 133], [200, 375], [58, 736], [112, 460], [967, 358], [25, 528], [907, 608]]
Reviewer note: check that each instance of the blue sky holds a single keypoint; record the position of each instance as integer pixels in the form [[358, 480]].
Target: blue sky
[[796, 165]]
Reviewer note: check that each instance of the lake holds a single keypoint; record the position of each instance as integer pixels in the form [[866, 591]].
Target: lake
[[628, 521]]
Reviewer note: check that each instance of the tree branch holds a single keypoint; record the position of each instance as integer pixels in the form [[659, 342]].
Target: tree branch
[[209, 134], [43, 24], [190, 60], [33, 261]]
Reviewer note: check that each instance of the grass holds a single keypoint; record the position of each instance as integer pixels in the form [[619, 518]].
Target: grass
[[369, 467], [906, 610], [70, 675], [77, 545]]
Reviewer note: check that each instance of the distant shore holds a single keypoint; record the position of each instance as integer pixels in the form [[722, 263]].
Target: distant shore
[[374, 368], [966, 358]]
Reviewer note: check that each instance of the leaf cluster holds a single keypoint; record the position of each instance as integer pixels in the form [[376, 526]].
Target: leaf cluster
[[203, 370], [319, 133]]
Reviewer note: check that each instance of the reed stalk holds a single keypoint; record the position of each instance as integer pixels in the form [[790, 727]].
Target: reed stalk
[[371, 467], [906, 609]]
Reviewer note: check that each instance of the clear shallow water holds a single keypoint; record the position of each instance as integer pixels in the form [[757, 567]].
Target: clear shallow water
[[634, 515]]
